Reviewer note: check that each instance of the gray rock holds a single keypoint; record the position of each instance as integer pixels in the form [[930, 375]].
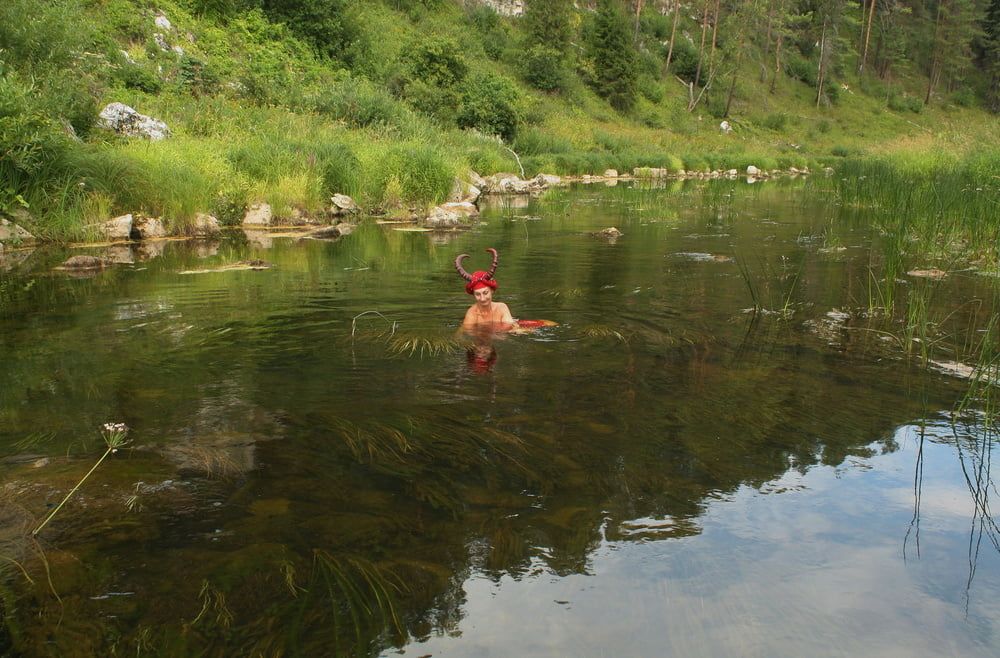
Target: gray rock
[[610, 233], [13, 233], [343, 205], [162, 22], [161, 42], [611, 173], [461, 208], [119, 228], [124, 120], [546, 180], [441, 218], [752, 171], [477, 180], [148, 228], [205, 225], [258, 215]]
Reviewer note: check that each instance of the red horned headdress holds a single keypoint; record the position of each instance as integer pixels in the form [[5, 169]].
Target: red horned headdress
[[479, 278]]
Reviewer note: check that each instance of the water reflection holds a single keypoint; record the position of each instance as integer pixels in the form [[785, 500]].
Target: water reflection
[[308, 479]]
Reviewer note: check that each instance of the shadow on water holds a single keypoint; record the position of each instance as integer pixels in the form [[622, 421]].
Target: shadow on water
[[308, 479]]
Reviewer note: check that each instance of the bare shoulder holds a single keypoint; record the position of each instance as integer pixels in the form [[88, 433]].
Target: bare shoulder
[[505, 312]]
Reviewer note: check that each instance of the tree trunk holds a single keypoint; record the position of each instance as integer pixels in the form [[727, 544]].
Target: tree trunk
[[767, 40], [868, 36], [777, 63], [673, 32], [638, 11], [936, 60], [821, 74], [701, 48]]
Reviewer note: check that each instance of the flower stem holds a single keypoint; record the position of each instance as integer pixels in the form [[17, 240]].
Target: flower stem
[[72, 491]]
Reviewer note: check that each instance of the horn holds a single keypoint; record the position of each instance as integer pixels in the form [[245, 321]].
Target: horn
[[496, 259], [461, 270]]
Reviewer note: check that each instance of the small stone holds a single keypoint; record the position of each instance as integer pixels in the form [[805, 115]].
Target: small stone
[[162, 22]]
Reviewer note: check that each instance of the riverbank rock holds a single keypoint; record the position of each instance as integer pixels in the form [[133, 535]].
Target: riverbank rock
[[611, 173], [451, 215], [148, 228], [650, 172], [119, 228], [753, 171], [259, 214], [205, 225], [124, 120], [546, 180], [464, 190], [12, 233], [343, 205]]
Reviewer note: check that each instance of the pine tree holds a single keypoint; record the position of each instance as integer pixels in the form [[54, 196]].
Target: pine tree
[[614, 56], [991, 53], [549, 23]]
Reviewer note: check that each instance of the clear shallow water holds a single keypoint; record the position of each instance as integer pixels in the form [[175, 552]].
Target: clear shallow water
[[660, 474]]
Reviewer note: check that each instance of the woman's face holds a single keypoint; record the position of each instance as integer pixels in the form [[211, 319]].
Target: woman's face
[[483, 295]]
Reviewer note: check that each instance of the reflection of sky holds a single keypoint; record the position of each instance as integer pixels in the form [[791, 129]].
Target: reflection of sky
[[817, 569]]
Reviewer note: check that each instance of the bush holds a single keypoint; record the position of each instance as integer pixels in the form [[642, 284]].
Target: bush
[[136, 77], [684, 62], [905, 103], [329, 26], [437, 61], [841, 151], [800, 68], [491, 104], [543, 68], [775, 121], [964, 97], [359, 103]]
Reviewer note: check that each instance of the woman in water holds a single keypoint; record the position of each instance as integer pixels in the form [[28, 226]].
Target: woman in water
[[484, 313]]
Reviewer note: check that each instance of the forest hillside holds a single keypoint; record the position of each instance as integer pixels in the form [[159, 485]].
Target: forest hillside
[[388, 101]]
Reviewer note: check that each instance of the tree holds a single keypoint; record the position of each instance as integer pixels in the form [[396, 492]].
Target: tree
[[614, 56], [549, 28], [329, 26], [990, 56], [954, 28], [549, 23]]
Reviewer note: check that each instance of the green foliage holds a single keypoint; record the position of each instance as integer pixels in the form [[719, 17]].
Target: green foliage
[[535, 142], [330, 26], [491, 104], [421, 171], [137, 77], [44, 35], [614, 56], [543, 68], [437, 61], [684, 62], [359, 103], [548, 23], [493, 34], [905, 103], [775, 121]]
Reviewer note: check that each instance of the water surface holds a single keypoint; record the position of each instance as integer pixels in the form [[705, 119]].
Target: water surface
[[664, 473]]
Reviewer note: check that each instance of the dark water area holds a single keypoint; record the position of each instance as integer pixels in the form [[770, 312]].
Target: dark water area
[[320, 463]]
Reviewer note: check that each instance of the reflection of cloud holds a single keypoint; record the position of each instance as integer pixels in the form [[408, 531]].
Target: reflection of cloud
[[817, 570]]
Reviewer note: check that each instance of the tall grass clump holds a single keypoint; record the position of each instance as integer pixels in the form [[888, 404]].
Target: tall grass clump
[[418, 173], [939, 202]]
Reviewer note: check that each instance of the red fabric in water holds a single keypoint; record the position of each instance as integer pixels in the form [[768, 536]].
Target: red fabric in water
[[534, 324]]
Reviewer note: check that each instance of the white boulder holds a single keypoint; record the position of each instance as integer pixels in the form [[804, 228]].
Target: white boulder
[[259, 214], [124, 120]]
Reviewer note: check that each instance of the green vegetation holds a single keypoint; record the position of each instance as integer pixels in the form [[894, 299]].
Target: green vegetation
[[288, 102]]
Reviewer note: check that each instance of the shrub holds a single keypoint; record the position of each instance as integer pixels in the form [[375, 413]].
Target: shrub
[[330, 26], [964, 97], [904, 103], [491, 104], [775, 121], [136, 77], [799, 68], [358, 103], [543, 68], [684, 62], [841, 151], [437, 61]]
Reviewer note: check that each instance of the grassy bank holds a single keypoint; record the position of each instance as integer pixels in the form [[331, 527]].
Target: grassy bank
[[408, 101]]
